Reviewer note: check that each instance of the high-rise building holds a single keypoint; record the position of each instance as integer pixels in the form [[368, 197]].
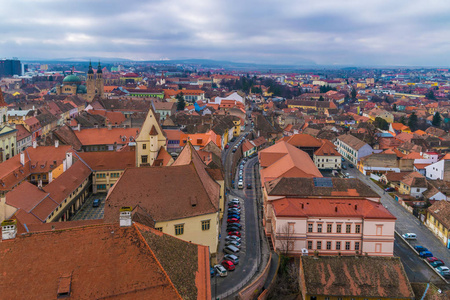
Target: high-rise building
[[10, 67]]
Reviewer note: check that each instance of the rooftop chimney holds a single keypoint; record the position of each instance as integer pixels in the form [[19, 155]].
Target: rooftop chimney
[[22, 158], [9, 229], [125, 216], [79, 127], [56, 143], [34, 144]]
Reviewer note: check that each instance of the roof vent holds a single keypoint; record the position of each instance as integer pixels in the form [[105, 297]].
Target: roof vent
[[64, 284], [9, 229], [125, 216], [335, 208]]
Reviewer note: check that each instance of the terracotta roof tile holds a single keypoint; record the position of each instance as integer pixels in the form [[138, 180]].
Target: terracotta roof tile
[[109, 160], [105, 136]]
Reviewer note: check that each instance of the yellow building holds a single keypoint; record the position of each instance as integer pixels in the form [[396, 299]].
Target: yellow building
[[150, 140], [438, 220], [7, 141]]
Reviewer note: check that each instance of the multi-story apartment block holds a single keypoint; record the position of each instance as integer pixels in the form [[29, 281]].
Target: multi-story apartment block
[[352, 148]]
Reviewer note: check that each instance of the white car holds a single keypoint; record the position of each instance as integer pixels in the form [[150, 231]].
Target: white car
[[409, 236], [221, 270]]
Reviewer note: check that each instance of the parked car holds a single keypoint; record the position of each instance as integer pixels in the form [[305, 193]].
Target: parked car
[[234, 206], [212, 271], [431, 259], [351, 165], [425, 254], [96, 203], [234, 150], [230, 249], [344, 167], [233, 238], [420, 248], [227, 264], [233, 220], [444, 271], [233, 258], [409, 236], [234, 243], [234, 216], [236, 233], [436, 263], [234, 227], [240, 184], [234, 209], [235, 200], [221, 270], [249, 186]]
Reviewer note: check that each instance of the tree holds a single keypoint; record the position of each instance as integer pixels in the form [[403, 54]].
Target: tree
[[412, 122], [286, 238], [437, 120], [394, 107], [181, 104], [321, 98], [402, 120], [381, 123], [430, 95], [353, 93]]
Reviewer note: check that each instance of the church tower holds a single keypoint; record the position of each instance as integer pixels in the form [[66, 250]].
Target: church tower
[[99, 80], [3, 109], [90, 84]]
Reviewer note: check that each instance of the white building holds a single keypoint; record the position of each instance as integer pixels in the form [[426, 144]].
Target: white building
[[352, 148], [439, 170]]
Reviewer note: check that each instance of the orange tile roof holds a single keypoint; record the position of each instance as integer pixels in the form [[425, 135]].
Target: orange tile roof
[[105, 136], [112, 117], [328, 148], [108, 265], [163, 158], [304, 140]]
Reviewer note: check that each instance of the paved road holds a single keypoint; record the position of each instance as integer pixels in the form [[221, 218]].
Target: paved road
[[416, 269], [87, 212], [249, 254], [406, 222]]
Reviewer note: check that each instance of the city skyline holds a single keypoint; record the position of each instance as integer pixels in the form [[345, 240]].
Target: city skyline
[[411, 33]]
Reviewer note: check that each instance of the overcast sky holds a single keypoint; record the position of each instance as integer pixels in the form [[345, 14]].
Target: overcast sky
[[328, 32]]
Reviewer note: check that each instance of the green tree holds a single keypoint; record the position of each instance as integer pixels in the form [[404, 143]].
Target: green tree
[[381, 123], [394, 107], [181, 104], [412, 122], [430, 95], [402, 120], [437, 119], [321, 98]]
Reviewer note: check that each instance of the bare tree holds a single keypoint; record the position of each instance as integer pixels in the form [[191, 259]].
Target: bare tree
[[285, 237]]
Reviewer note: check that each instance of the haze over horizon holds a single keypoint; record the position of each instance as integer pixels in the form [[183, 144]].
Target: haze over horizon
[[327, 32]]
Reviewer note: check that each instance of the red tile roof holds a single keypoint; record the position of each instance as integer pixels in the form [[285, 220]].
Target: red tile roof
[[105, 136], [109, 160], [336, 208], [108, 262]]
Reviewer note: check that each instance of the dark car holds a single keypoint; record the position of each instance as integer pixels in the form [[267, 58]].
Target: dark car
[[234, 216], [389, 189], [234, 150], [344, 167], [351, 165], [234, 206], [436, 264], [212, 271], [249, 186], [431, 259], [227, 146], [425, 254], [234, 227], [96, 203], [233, 220], [420, 248]]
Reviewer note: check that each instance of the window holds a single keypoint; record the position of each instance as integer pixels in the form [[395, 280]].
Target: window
[[329, 227], [347, 245], [338, 228], [357, 228], [328, 245], [319, 245], [348, 228], [338, 245], [144, 159], [319, 227], [179, 229], [158, 228], [309, 245], [205, 225], [144, 146], [101, 186], [378, 248], [356, 245], [379, 229], [310, 227]]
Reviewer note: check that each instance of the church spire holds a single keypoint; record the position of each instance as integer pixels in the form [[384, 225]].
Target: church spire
[[90, 71], [99, 68]]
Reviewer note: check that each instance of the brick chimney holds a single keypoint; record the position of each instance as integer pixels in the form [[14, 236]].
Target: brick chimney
[[125, 216], [9, 229]]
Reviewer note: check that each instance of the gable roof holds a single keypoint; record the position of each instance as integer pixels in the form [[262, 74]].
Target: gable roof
[[352, 141], [441, 211], [301, 140], [108, 160], [153, 189], [110, 261]]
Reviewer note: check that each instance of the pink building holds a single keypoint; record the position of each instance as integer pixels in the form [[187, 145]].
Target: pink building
[[331, 226]]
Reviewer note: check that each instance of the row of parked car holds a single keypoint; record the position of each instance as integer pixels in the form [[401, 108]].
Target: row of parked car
[[233, 241], [241, 140], [435, 262], [241, 175]]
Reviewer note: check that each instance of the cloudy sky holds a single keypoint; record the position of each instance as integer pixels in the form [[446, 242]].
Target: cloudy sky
[[327, 32]]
